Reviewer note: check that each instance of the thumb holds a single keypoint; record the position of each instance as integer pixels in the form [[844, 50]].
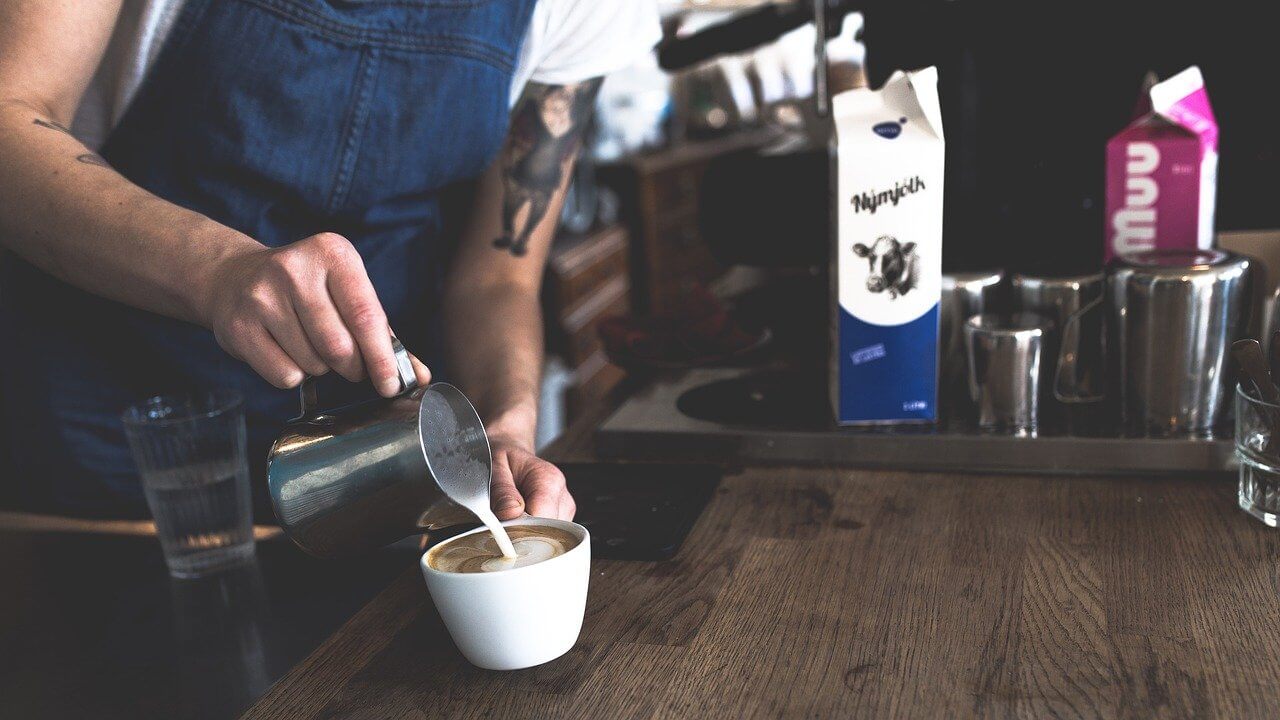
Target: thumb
[[503, 495], [419, 368]]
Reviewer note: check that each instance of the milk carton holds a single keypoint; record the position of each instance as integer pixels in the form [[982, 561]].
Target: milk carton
[[887, 257], [1162, 170]]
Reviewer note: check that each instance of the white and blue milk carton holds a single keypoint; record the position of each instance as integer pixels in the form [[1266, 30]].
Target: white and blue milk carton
[[887, 260]]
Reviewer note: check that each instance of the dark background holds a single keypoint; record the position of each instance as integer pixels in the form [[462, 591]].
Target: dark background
[[1031, 91]]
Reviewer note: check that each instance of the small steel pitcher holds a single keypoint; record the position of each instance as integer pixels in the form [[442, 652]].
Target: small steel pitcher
[[355, 478], [964, 295]]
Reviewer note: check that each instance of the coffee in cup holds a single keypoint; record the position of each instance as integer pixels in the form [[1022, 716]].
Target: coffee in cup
[[508, 614], [479, 552]]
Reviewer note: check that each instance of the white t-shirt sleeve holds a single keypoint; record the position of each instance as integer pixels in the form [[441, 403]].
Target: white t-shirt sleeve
[[574, 40]]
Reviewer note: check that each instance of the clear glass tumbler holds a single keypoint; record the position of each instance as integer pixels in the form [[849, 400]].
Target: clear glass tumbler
[[1258, 450], [190, 452]]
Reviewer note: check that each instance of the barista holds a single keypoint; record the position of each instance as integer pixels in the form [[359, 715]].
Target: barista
[[235, 194]]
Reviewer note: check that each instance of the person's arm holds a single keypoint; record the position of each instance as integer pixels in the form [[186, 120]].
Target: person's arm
[[308, 307], [493, 316]]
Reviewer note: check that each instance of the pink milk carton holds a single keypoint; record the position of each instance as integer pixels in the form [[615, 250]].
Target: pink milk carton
[[1162, 170]]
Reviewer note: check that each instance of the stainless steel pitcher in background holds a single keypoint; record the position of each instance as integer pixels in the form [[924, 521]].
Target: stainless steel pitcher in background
[[1074, 304], [1172, 316], [355, 478], [1007, 367], [963, 296]]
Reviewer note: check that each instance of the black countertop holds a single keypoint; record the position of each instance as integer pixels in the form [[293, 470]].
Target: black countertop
[[92, 626]]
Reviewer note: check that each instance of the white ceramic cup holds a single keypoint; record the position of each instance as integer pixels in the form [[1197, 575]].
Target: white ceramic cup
[[518, 618]]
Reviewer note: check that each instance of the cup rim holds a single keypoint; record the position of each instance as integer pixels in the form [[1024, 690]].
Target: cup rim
[[219, 401], [1009, 324], [1199, 258], [982, 278], [1067, 279], [1253, 399], [582, 532]]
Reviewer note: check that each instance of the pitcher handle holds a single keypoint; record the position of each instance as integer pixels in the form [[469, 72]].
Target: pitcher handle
[[404, 368], [1066, 379]]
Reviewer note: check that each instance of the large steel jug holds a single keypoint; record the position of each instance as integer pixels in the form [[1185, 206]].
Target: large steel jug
[[1173, 315]]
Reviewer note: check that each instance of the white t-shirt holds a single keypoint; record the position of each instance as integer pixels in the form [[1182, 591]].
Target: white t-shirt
[[568, 41]]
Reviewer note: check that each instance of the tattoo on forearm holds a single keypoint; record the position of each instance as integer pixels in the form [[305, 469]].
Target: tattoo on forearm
[[547, 126], [86, 158], [93, 159], [52, 125]]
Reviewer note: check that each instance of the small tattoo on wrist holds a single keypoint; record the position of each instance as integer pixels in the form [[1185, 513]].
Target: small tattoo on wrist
[[86, 158], [52, 125], [93, 159]]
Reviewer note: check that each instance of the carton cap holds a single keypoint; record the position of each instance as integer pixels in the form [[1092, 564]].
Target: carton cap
[[912, 95], [1183, 101]]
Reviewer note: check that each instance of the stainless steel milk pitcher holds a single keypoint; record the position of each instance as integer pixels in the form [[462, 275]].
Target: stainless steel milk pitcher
[[1074, 304], [355, 478], [964, 295], [1173, 315], [1007, 365]]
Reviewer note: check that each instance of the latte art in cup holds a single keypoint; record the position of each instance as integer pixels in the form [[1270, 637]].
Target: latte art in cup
[[479, 553], [511, 614]]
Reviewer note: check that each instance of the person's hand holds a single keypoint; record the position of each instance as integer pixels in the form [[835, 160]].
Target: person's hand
[[523, 482], [303, 309]]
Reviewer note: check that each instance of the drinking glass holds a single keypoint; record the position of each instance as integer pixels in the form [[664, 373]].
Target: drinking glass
[[1259, 456], [190, 453]]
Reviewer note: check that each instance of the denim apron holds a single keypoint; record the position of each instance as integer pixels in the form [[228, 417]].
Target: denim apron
[[280, 119]]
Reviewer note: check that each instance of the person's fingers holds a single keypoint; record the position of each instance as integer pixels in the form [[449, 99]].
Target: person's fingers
[[419, 369], [503, 495], [358, 304], [568, 508], [286, 329], [257, 347], [327, 332], [541, 484]]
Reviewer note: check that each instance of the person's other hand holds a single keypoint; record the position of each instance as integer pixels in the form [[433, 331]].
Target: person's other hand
[[523, 482], [303, 309]]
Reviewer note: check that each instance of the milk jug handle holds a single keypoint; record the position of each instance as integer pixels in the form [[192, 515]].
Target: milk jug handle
[[1066, 380], [404, 368]]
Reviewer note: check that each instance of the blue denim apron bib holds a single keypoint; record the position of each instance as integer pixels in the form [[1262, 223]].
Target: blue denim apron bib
[[280, 119]]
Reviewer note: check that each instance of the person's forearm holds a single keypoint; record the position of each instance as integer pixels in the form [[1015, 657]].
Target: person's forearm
[[492, 310], [68, 213], [494, 336]]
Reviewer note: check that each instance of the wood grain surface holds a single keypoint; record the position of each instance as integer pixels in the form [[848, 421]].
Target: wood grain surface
[[829, 593]]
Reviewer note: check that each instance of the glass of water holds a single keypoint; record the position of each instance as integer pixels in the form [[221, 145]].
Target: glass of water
[[1258, 450], [190, 452]]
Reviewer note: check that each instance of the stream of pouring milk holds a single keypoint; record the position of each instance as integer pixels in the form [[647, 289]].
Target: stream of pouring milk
[[464, 476], [499, 533]]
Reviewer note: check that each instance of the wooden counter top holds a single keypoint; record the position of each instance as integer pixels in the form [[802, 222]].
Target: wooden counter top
[[837, 593]]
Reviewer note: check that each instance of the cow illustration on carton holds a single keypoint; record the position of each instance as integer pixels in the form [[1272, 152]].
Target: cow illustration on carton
[[893, 268]]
